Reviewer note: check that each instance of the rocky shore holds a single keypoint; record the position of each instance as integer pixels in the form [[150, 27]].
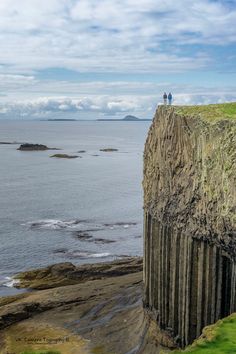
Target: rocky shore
[[81, 309], [63, 274]]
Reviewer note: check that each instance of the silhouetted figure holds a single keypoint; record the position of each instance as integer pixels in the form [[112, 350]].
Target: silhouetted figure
[[165, 98], [170, 97]]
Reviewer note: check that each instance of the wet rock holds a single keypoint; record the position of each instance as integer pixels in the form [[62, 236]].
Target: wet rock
[[34, 147], [62, 274], [83, 236], [123, 224], [102, 240], [62, 269], [65, 156], [60, 250], [108, 150]]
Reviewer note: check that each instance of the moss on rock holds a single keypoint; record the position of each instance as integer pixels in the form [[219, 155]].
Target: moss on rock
[[218, 338], [211, 112]]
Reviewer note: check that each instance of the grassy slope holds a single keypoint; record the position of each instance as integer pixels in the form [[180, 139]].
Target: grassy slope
[[211, 112], [219, 338], [41, 352]]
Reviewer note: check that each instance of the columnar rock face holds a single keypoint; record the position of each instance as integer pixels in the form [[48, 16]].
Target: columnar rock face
[[189, 220]]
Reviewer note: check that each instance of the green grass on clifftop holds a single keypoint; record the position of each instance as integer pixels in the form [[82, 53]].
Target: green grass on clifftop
[[219, 338], [211, 112], [41, 352]]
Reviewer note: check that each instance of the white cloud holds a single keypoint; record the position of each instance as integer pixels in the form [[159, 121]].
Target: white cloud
[[9, 82], [122, 35], [106, 105], [47, 105]]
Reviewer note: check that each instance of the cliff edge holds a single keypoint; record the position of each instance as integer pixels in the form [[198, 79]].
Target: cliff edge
[[190, 218]]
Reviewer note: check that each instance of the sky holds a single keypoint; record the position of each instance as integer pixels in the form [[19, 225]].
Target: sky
[[88, 59]]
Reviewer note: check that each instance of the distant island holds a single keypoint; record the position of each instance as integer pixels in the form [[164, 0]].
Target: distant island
[[128, 118], [61, 120]]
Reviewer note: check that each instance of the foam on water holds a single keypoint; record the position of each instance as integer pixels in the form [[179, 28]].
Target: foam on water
[[86, 254], [9, 282], [53, 224], [56, 224]]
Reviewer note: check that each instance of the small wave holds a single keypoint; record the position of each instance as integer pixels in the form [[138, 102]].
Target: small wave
[[76, 224], [10, 282], [85, 254], [54, 224], [116, 225]]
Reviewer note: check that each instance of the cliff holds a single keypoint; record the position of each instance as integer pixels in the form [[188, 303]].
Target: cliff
[[190, 218]]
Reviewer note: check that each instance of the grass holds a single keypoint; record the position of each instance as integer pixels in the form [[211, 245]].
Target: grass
[[41, 352], [211, 112], [99, 350], [219, 338]]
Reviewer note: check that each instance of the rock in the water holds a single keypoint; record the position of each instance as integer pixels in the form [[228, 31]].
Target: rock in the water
[[108, 150], [32, 147], [65, 156]]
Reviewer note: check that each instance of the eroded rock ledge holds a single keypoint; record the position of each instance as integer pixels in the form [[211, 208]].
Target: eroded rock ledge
[[100, 312], [190, 222], [62, 274]]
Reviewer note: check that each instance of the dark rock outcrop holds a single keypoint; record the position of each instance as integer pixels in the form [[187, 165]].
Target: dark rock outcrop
[[63, 274], [65, 156], [108, 150], [32, 147], [189, 221]]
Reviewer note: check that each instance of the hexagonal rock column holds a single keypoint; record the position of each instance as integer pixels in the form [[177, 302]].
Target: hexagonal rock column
[[189, 220]]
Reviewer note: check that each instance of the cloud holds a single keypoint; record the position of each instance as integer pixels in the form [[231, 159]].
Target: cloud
[[46, 106], [105, 105], [9, 82], [166, 38], [120, 36]]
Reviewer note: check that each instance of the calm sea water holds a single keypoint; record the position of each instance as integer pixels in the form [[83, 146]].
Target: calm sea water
[[81, 210]]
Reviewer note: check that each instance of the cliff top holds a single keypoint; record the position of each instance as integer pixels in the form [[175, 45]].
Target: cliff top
[[211, 112]]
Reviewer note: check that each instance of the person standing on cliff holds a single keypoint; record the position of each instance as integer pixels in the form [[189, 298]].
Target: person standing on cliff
[[170, 97], [165, 98]]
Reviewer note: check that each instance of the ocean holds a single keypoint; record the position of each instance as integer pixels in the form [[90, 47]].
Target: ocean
[[82, 210]]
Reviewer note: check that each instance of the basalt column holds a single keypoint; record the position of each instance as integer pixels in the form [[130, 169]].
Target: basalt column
[[189, 222]]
